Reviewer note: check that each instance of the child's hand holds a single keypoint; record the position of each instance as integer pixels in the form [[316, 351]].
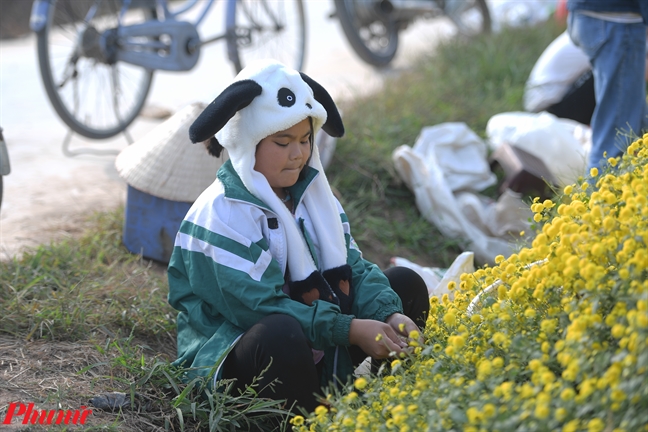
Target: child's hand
[[403, 325], [377, 339]]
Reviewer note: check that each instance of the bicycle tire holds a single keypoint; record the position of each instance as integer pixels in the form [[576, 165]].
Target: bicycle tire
[[373, 37], [266, 29], [471, 18], [100, 99]]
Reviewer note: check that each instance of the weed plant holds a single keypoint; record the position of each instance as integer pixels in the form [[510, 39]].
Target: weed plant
[[83, 316]]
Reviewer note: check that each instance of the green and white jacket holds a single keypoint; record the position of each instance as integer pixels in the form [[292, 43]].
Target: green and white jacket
[[227, 271]]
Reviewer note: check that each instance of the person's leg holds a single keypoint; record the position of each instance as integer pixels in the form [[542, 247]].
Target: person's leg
[[617, 54], [278, 341], [412, 290]]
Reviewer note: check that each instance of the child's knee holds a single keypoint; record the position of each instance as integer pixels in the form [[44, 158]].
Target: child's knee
[[404, 278], [281, 330]]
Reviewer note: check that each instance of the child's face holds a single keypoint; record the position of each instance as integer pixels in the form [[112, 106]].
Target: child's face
[[280, 157]]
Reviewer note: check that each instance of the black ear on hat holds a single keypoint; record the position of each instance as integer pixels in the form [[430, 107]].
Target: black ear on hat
[[333, 125], [235, 97]]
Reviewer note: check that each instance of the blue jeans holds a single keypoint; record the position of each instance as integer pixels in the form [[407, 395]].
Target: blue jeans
[[617, 53]]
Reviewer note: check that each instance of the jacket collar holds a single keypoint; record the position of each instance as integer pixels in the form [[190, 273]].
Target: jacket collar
[[235, 189]]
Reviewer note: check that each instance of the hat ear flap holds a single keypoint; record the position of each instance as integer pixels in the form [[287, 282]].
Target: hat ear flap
[[333, 125], [213, 118]]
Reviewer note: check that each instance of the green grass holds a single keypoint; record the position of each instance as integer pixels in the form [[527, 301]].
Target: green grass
[[110, 306], [79, 288]]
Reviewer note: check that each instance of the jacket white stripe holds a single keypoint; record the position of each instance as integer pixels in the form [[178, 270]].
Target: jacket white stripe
[[212, 222], [223, 257]]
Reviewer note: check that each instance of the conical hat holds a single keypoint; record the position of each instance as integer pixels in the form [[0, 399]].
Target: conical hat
[[165, 163]]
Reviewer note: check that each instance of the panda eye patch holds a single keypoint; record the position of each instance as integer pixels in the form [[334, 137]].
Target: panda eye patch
[[286, 97]]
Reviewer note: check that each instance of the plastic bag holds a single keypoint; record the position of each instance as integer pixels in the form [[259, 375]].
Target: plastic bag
[[464, 263], [437, 279], [431, 275]]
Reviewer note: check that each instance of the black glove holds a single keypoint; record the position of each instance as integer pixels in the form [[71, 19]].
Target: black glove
[[339, 279], [314, 287]]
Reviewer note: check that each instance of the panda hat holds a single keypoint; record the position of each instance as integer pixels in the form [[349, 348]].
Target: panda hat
[[267, 97]]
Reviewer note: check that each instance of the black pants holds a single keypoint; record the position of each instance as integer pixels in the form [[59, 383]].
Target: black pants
[[277, 342]]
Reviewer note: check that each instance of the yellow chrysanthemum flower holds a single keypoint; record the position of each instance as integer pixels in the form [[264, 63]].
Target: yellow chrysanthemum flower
[[559, 324]]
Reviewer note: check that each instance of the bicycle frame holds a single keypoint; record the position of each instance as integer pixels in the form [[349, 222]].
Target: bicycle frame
[[167, 44], [164, 5]]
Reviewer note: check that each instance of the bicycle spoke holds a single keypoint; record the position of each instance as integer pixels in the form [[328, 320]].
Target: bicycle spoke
[[116, 90], [68, 73], [75, 96], [91, 12], [268, 29], [87, 92], [273, 18]]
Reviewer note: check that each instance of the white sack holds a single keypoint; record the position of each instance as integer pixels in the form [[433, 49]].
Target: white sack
[[460, 154], [561, 144], [472, 221], [504, 218]]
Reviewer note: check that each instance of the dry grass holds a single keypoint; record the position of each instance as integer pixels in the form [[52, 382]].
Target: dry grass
[[66, 375]]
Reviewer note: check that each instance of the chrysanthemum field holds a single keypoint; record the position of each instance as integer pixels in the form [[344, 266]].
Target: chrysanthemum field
[[551, 338]]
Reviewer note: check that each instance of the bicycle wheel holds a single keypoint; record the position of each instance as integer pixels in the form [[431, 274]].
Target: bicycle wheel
[[95, 96], [266, 29], [472, 17], [373, 36]]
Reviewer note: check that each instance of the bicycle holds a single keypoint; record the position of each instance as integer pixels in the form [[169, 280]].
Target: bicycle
[[97, 57], [372, 26]]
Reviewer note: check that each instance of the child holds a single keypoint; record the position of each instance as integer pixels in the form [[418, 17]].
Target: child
[[264, 270]]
